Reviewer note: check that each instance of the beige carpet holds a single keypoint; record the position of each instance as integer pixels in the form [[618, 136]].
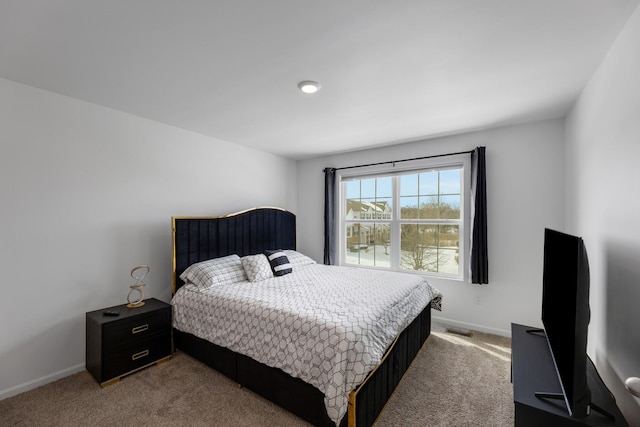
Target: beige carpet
[[454, 381]]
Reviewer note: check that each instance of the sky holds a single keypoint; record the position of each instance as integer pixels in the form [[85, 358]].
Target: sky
[[415, 188]]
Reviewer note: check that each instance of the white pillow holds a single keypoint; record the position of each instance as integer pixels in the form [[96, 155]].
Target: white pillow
[[298, 259], [257, 267], [215, 272]]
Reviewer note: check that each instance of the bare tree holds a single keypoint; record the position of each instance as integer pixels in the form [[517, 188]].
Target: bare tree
[[420, 243]]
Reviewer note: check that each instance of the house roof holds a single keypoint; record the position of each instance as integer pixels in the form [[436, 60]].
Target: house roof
[[366, 206]]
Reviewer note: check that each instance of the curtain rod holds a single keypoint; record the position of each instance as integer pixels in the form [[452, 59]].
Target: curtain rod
[[398, 161]]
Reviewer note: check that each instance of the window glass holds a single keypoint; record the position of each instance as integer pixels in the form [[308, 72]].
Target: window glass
[[431, 248], [369, 198], [427, 230], [429, 183], [449, 207], [450, 181], [431, 195], [368, 244]]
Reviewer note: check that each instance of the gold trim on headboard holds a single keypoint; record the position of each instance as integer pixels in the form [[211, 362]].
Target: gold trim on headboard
[[173, 233], [228, 215]]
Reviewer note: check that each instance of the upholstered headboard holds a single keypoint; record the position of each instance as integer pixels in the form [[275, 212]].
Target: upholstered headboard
[[248, 232]]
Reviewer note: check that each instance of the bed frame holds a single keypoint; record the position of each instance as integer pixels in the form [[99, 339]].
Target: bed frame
[[250, 232]]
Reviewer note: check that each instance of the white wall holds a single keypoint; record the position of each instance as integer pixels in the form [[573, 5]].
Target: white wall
[[525, 194], [87, 193], [603, 149]]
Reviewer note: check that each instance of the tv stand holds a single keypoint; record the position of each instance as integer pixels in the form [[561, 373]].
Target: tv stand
[[560, 396], [532, 371]]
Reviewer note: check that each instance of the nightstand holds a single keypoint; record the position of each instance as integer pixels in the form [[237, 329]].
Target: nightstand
[[136, 338]]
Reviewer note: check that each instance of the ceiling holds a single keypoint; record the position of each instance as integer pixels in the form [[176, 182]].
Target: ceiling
[[391, 71]]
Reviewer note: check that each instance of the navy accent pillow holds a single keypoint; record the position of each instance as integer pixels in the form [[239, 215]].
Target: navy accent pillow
[[279, 262]]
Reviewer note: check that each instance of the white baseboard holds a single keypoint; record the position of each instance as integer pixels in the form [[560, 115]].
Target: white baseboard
[[472, 326], [30, 385]]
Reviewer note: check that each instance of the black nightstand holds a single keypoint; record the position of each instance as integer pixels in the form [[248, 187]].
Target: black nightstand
[[135, 339]]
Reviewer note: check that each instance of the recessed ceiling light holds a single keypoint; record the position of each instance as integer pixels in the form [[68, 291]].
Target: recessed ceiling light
[[309, 86]]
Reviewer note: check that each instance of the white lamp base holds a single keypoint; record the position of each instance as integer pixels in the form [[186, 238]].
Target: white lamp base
[[136, 304]]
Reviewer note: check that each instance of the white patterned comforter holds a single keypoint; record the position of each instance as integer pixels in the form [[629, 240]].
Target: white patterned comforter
[[328, 325]]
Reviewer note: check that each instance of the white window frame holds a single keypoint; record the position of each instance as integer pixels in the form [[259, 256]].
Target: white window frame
[[414, 166]]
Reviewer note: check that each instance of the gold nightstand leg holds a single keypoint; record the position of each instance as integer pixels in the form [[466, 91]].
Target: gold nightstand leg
[[110, 382], [163, 361]]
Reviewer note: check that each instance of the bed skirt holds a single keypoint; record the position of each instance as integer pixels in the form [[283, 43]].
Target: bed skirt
[[303, 399]]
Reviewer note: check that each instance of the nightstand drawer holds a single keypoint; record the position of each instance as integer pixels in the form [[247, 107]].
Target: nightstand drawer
[[138, 327], [121, 360]]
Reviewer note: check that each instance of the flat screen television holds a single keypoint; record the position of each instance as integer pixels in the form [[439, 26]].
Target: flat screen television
[[565, 316]]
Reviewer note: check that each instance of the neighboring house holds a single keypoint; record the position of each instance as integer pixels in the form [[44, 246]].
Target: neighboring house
[[360, 235]]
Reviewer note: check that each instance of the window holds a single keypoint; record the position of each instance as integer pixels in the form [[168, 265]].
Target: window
[[413, 219]]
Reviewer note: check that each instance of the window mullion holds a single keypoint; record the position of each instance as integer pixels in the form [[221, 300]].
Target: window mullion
[[395, 224]]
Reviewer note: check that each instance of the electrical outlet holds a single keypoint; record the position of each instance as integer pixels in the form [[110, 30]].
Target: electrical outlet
[[478, 301]]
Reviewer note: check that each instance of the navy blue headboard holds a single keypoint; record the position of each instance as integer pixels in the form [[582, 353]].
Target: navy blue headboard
[[248, 232]]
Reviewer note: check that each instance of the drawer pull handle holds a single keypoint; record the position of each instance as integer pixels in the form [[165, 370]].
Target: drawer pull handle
[[141, 328], [139, 355]]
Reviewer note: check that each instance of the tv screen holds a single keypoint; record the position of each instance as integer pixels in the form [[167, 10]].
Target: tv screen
[[565, 315]]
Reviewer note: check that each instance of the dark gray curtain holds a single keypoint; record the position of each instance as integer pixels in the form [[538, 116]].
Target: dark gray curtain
[[479, 248], [329, 216]]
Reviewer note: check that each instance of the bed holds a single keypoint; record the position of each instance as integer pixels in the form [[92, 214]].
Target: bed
[[369, 379]]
